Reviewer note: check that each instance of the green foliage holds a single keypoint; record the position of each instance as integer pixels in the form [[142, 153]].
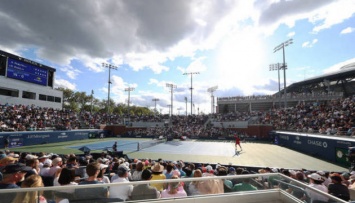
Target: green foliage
[[80, 101]]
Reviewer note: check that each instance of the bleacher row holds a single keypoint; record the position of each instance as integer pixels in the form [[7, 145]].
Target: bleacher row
[[335, 117], [117, 176]]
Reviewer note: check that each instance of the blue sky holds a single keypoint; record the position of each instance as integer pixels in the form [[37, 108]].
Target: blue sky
[[153, 42]]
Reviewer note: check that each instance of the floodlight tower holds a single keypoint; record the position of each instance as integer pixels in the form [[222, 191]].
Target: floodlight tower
[[92, 98], [155, 105], [186, 105], [282, 46], [169, 105], [129, 89], [211, 90], [191, 73], [277, 66], [109, 66], [171, 86]]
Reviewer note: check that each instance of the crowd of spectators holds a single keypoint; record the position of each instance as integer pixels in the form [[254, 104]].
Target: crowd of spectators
[[334, 117], [44, 170], [290, 95], [337, 117]]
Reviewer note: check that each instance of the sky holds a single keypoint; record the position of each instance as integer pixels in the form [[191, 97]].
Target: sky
[[224, 45]]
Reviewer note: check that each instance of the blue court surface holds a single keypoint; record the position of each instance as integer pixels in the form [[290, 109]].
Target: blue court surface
[[253, 154], [170, 147]]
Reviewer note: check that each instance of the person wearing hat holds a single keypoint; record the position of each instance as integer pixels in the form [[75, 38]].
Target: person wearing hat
[[337, 189], [145, 191], [232, 172], [42, 158], [316, 181], [32, 161], [157, 171], [7, 160], [12, 174], [122, 192]]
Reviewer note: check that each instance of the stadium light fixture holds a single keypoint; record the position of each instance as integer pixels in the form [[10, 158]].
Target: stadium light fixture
[[109, 66], [284, 66], [92, 98], [155, 105], [191, 73], [273, 67], [171, 86], [186, 105], [129, 90], [169, 105], [211, 90]]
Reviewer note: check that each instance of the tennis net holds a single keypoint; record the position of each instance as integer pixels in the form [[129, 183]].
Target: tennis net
[[150, 143]]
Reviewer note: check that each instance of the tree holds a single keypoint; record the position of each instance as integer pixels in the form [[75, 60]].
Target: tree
[[79, 101]]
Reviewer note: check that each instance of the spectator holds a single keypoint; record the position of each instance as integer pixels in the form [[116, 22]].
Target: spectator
[[122, 192], [81, 170], [337, 189], [157, 171], [179, 166], [32, 161], [169, 170], [46, 167], [12, 174], [173, 190], [102, 177], [316, 181], [227, 184], [56, 164], [71, 162], [33, 196], [297, 191], [42, 159], [92, 194], [245, 185], [145, 191], [232, 172], [193, 186], [7, 160], [65, 177], [137, 174]]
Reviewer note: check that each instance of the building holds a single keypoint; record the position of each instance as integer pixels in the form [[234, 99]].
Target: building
[[319, 89], [26, 82]]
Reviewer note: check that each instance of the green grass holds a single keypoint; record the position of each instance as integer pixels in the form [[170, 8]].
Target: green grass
[[60, 147]]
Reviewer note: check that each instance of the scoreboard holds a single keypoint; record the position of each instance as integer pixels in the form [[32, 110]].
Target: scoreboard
[[21, 70]]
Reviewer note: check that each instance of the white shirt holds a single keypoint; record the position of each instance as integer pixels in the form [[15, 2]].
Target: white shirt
[[315, 195], [121, 191]]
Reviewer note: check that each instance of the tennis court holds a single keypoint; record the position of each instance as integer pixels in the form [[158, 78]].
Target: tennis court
[[253, 154], [169, 147]]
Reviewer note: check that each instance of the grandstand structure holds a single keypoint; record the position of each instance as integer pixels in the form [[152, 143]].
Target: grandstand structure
[[320, 89], [26, 82]]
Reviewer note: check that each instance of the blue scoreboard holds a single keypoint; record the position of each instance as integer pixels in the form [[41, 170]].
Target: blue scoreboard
[[24, 71]]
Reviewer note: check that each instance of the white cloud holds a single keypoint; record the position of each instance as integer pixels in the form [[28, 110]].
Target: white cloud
[[242, 64], [309, 44], [336, 67], [347, 30], [65, 84], [291, 34], [70, 71], [332, 14]]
